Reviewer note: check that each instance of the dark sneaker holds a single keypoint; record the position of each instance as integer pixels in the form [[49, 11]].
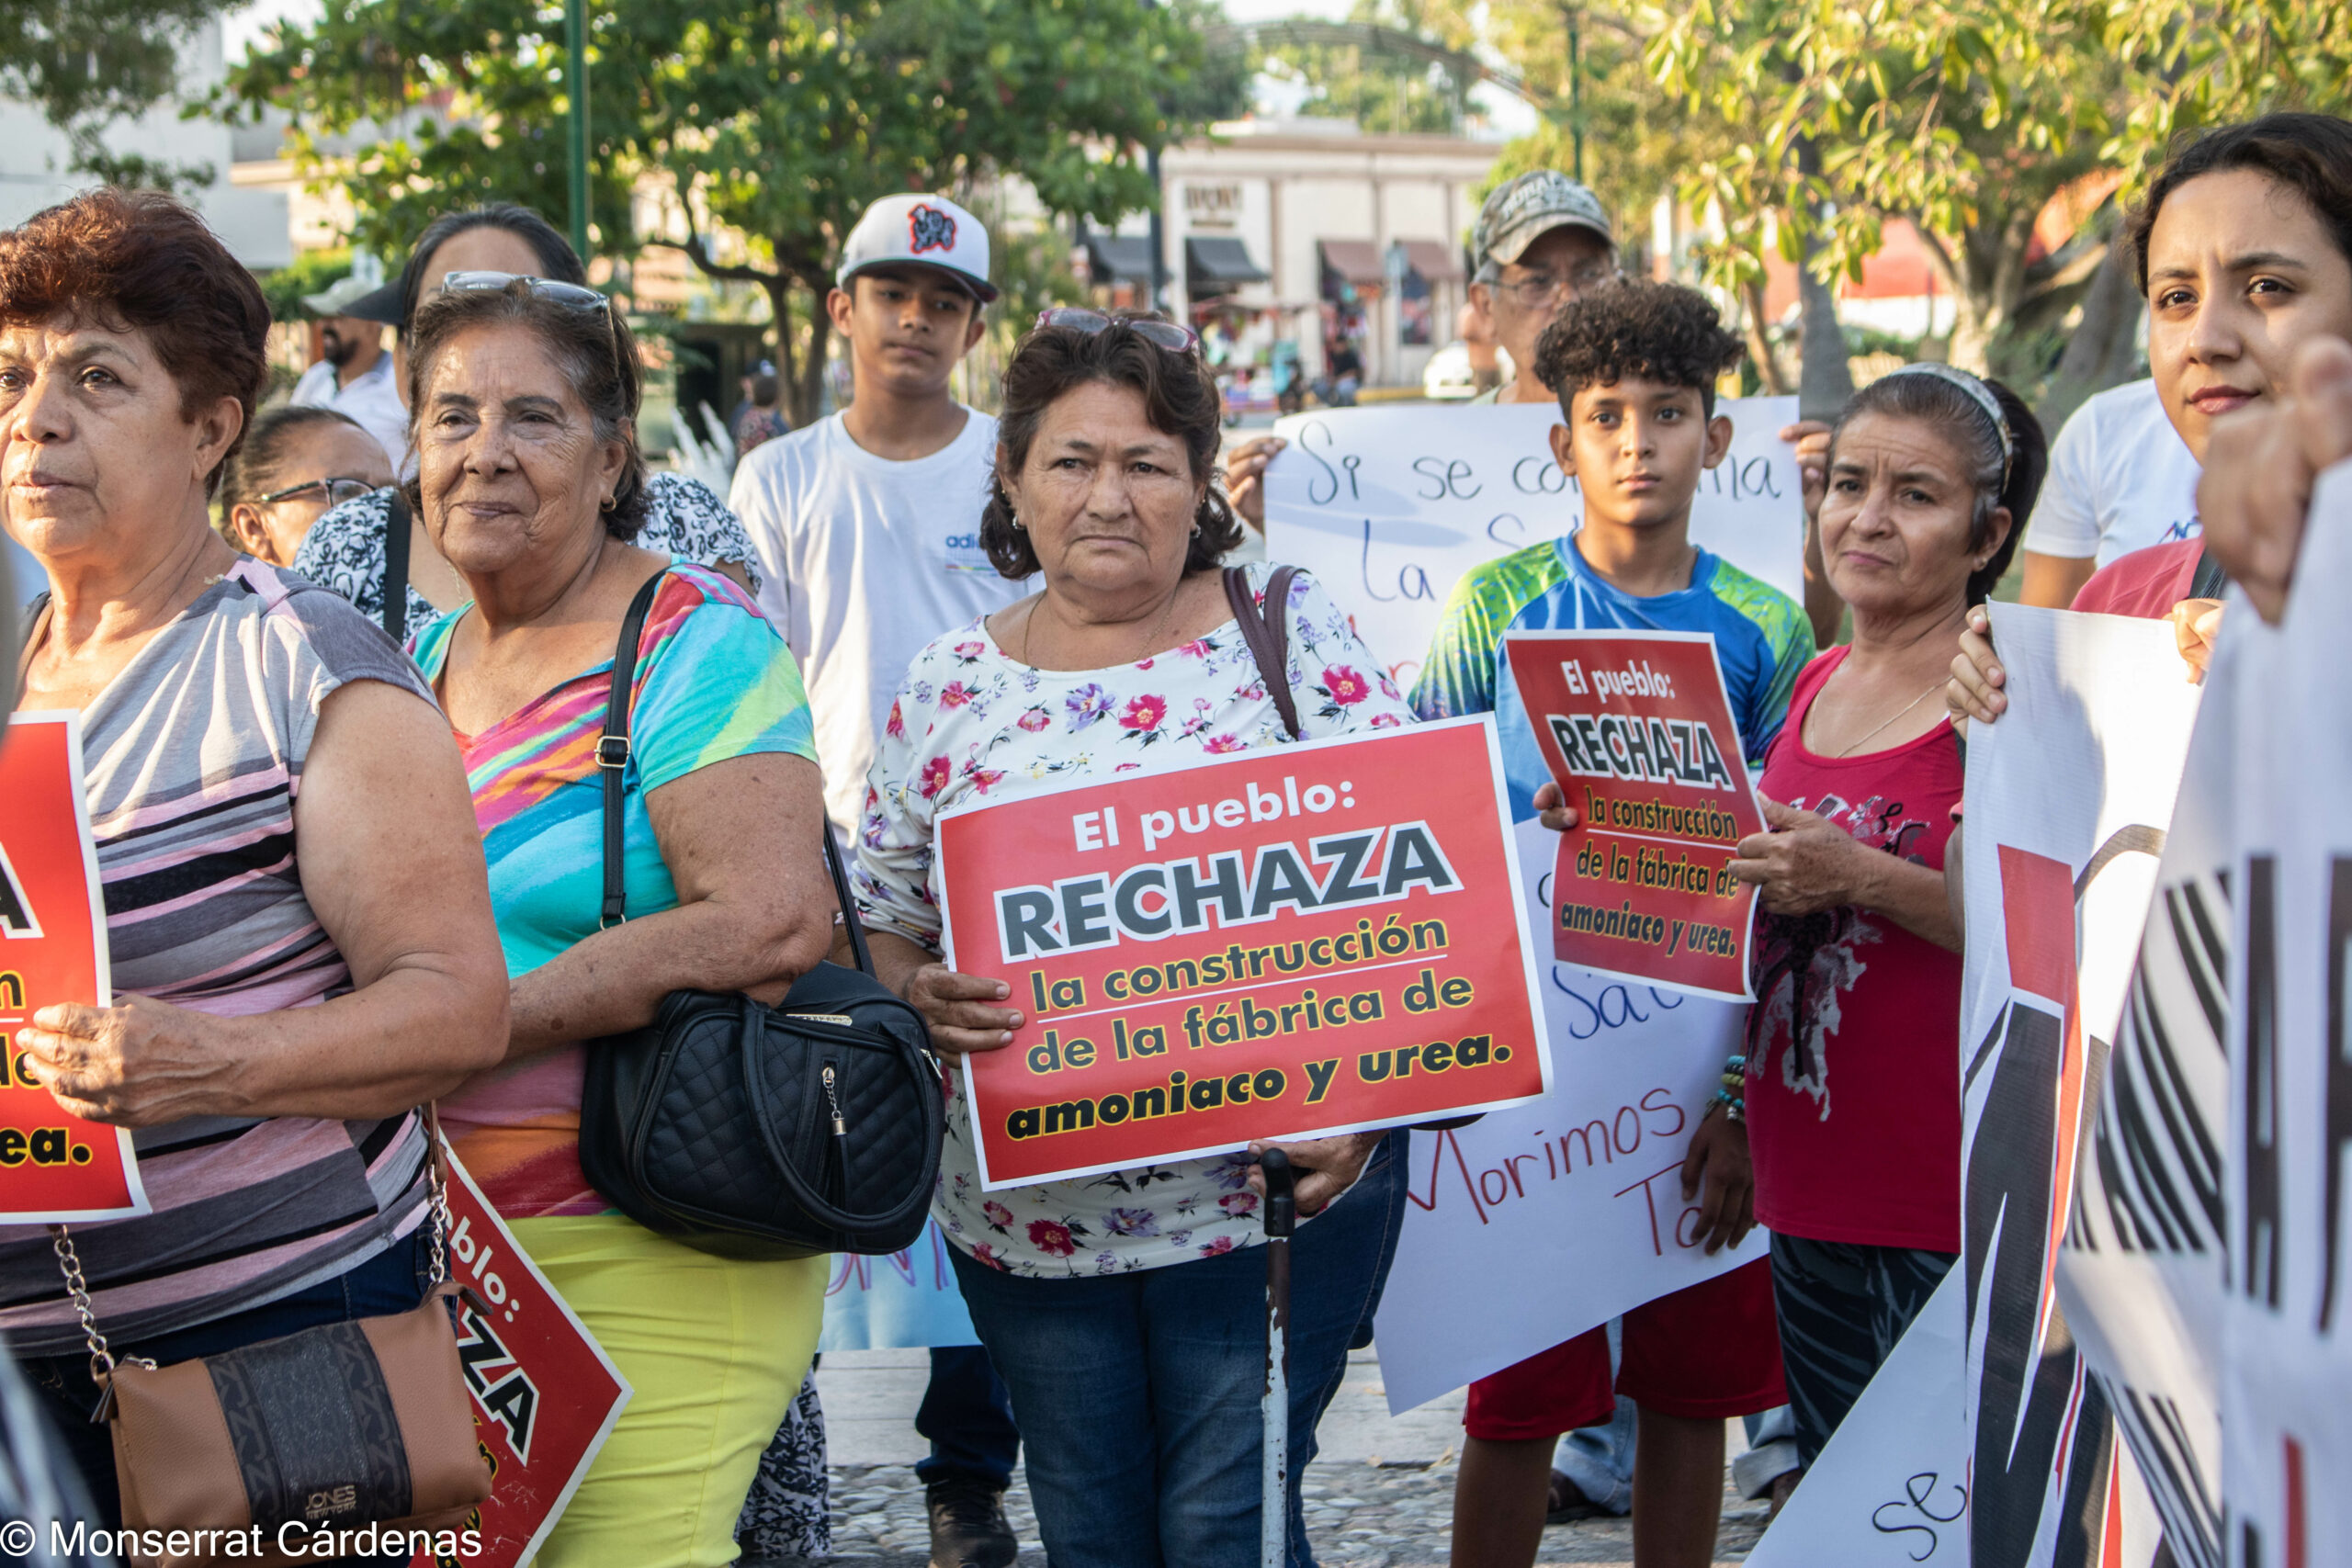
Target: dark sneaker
[[1564, 1504], [969, 1529]]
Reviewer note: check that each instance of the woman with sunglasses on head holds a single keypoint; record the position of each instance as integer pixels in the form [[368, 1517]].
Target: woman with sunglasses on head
[[296, 463], [346, 549], [524, 401], [1126, 1313]]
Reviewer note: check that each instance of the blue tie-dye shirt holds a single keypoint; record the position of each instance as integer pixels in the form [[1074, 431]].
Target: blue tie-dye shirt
[[1761, 637]]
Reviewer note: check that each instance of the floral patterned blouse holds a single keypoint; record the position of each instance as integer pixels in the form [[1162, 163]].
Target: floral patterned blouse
[[971, 722]]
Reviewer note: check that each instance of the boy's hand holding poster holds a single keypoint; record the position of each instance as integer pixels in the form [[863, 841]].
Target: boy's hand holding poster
[[1636, 727], [1284, 943], [53, 1165], [545, 1394]]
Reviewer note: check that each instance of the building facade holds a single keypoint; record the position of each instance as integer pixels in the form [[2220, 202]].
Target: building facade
[[1302, 232]]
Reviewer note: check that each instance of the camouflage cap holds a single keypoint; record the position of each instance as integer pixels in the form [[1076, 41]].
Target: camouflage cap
[[1532, 204]]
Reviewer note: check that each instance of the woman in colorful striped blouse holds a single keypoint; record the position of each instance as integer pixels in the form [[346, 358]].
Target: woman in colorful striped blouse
[[524, 394]]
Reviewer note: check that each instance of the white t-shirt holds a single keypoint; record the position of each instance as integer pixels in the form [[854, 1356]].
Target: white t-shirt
[[372, 399], [865, 560], [2120, 479]]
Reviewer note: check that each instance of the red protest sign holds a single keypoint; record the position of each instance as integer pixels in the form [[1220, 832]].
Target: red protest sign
[[53, 1165], [1636, 727], [545, 1396], [1281, 944]]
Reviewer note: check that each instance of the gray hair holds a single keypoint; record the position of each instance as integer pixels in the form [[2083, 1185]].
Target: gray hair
[[594, 349]]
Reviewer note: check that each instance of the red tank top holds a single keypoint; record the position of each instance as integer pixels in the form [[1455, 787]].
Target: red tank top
[[1853, 1057]]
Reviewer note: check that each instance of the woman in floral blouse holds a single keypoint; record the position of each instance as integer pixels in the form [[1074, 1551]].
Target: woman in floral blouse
[[1129, 659]]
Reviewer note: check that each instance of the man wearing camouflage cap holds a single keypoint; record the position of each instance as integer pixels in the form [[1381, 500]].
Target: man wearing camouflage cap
[[1541, 241]]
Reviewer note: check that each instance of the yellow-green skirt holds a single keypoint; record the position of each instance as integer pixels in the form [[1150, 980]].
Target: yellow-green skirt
[[716, 1350]]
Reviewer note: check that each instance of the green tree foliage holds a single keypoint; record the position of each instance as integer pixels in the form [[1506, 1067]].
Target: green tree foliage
[[1383, 89], [1966, 117], [777, 120], [89, 64]]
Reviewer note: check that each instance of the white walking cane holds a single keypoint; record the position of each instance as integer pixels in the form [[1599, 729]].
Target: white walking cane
[[1273, 1504]]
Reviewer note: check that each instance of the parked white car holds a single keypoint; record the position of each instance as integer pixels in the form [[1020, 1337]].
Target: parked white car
[[1447, 377]]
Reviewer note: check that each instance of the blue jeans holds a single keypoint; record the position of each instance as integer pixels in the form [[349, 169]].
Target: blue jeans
[[1138, 1394], [394, 1281], [968, 1415]]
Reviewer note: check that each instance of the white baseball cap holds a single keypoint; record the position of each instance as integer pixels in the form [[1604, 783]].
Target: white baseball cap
[[928, 231]]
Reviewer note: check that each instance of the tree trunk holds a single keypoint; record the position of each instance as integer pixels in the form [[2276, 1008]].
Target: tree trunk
[[779, 289], [1759, 343], [1825, 380], [810, 393], [2103, 349]]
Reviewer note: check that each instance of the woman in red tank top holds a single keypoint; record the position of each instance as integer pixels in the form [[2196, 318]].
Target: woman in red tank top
[[1851, 1076]]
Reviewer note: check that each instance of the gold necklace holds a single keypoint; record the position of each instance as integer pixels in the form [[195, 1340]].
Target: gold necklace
[[1890, 718]]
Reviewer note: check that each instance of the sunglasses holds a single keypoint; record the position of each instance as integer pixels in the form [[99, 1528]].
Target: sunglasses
[[584, 299], [1168, 335], [338, 492], [570, 294]]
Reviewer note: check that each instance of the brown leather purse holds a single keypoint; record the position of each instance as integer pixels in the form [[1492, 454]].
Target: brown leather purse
[[336, 1427]]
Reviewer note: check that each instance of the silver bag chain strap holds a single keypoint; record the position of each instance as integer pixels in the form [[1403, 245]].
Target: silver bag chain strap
[[102, 1360]]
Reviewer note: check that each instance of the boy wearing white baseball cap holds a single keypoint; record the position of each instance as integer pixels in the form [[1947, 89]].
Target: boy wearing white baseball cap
[[868, 526]]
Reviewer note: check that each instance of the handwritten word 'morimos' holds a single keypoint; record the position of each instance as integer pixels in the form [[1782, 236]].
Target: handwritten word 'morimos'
[[1181, 1093], [1651, 750], [1163, 899]]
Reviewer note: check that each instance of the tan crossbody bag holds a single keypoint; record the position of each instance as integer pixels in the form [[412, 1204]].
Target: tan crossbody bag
[[336, 1427]]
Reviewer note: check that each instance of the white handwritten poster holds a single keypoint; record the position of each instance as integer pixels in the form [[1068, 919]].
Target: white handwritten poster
[[900, 1301], [1388, 506], [2069, 800], [1891, 1489], [1526, 1228], [1892, 1486]]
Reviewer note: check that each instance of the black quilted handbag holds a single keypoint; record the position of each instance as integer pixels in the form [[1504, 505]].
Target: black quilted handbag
[[752, 1131]]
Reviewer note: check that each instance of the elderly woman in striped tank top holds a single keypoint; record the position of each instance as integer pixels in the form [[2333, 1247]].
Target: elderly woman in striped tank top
[[297, 911]]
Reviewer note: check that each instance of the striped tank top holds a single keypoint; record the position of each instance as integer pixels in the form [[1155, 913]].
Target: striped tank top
[[192, 760]]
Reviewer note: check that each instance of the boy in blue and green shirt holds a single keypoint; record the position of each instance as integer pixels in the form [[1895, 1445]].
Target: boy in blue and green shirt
[[1633, 366]]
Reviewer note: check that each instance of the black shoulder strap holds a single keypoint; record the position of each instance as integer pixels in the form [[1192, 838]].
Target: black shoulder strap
[[611, 750], [613, 755], [2209, 581], [396, 532], [1266, 628]]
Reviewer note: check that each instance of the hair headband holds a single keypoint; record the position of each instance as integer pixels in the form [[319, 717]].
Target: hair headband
[[1978, 392]]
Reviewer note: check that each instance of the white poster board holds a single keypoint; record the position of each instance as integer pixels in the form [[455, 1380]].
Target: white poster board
[[2286, 1380], [1388, 506], [1891, 1489], [1540, 1223], [2069, 796]]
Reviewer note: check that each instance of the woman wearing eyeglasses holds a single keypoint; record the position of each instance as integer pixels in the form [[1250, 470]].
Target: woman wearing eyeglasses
[[524, 397], [1125, 1312], [346, 549], [296, 463]]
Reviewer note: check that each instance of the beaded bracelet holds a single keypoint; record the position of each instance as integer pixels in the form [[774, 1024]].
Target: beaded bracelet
[[1735, 1106]]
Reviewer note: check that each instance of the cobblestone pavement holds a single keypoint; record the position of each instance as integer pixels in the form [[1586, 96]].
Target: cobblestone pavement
[[1359, 1514]]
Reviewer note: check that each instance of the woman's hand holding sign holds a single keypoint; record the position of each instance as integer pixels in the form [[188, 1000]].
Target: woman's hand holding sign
[[960, 1009], [1326, 1167], [1806, 863]]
